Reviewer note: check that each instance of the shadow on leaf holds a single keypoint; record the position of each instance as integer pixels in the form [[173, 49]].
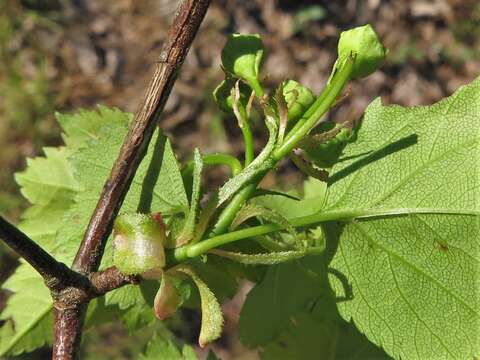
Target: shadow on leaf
[[372, 156]]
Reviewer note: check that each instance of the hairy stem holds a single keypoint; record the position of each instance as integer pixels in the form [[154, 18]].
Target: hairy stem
[[228, 214]]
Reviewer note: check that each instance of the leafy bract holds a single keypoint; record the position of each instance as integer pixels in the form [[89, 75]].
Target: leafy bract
[[212, 317], [413, 259], [63, 188], [188, 230], [271, 258]]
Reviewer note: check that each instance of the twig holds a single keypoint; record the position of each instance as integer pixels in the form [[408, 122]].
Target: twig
[[69, 319], [55, 274], [109, 279], [182, 32]]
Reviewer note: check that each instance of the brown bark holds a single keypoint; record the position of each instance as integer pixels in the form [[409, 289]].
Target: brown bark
[[55, 274]]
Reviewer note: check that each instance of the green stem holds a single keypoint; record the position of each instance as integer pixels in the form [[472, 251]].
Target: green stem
[[247, 136], [217, 159], [228, 214], [257, 87], [317, 110], [202, 247], [327, 98]]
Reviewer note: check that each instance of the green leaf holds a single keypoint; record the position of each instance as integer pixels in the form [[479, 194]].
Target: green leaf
[[262, 258], [28, 313], [285, 291], [64, 187], [292, 314], [48, 183], [92, 166], [412, 259], [48, 179], [125, 297], [312, 333], [212, 318], [162, 347], [221, 275], [312, 202]]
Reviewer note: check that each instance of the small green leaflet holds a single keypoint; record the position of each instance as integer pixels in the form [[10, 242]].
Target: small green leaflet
[[271, 258], [413, 261], [64, 187], [212, 318]]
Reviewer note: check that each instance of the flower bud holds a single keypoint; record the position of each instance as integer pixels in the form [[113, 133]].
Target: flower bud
[[138, 244], [367, 48], [242, 57], [298, 98]]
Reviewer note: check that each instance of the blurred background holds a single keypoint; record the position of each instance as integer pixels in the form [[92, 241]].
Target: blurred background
[[59, 55]]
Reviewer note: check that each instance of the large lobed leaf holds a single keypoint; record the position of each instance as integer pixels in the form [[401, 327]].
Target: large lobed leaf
[[63, 188], [413, 260], [403, 254]]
